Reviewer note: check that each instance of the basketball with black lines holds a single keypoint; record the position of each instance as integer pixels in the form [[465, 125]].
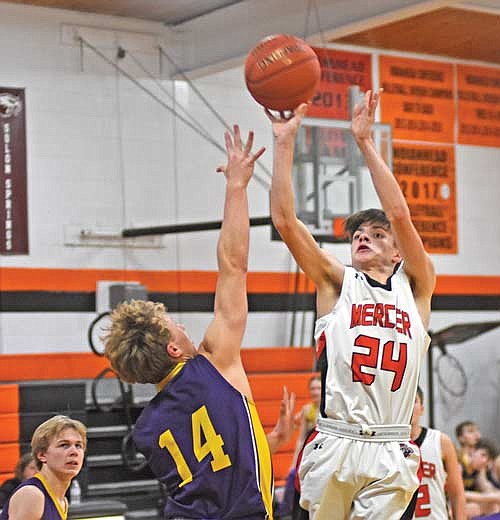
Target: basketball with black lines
[[281, 72]]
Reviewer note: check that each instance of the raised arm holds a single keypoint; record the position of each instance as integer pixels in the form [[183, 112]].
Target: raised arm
[[326, 272], [223, 337], [417, 263], [454, 482]]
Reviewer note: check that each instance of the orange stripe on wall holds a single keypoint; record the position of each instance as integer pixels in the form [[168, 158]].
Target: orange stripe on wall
[[6, 476], [9, 432], [456, 284], [9, 399], [84, 280], [46, 366], [9, 455]]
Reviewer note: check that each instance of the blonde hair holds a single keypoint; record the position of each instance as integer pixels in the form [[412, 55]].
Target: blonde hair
[[48, 430], [136, 342]]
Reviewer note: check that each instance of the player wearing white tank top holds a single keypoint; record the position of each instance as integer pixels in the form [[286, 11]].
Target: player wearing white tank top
[[440, 471], [371, 338]]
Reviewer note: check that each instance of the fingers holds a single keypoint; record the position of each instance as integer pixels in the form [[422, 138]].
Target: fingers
[[221, 169], [357, 110], [288, 400], [283, 117], [258, 154], [270, 115], [368, 99], [228, 140], [371, 100], [302, 109], [249, 144], [376, 97], [235, 148]]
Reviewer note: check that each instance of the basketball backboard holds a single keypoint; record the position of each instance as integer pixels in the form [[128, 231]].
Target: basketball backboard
[[331, 180]]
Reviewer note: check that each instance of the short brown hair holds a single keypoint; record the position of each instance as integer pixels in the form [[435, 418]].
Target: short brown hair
[[51, 428], [136, 342], [488, 446], [372, 215], [420, 394], [459, 430]]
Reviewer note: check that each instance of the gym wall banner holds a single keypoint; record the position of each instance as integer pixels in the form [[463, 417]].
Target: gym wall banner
[[339, 70], [418, 99], [426, 175], [13, 173], [478, 105]]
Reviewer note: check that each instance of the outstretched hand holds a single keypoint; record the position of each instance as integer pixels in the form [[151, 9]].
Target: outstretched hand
[[363, 115], [285, 127], [240, 160], [285, 427]]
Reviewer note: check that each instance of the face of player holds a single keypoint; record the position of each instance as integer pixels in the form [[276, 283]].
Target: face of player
[[180, 339], [315, 391], [64, 456], [418, 410], [470, 436], [373, 246], [29, 470]]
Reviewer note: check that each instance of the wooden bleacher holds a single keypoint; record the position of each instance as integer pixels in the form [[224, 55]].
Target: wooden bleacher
[[269, 369]]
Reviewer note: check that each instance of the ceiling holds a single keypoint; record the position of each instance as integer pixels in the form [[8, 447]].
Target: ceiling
[[211, 35], [448, 31], [169, 12]]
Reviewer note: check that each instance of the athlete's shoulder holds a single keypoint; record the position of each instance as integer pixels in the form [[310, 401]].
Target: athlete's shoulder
[[28, 502]]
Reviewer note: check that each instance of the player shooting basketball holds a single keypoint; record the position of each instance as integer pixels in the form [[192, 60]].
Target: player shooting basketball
[[371, 338]]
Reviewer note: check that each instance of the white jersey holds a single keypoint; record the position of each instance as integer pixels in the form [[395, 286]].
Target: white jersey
[[374, 342], [431, 501]]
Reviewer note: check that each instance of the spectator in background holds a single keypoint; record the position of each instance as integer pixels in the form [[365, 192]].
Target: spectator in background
[[305, 420], [468, 434], [308, 415], [25, 469], [479, 489]]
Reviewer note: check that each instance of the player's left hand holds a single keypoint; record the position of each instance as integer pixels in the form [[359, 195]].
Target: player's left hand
[[363, 115]]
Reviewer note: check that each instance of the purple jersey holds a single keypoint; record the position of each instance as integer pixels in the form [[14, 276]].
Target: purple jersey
[[203, 439], [52, 509]]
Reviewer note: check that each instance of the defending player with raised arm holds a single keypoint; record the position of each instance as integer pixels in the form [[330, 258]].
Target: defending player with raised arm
[[201, 434], [371, 338]]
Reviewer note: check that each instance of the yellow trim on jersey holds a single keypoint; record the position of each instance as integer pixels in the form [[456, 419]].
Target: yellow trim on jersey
[[164, 382], [63, 514], [266, 481]]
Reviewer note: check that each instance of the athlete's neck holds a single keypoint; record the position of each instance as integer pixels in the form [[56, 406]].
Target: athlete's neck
[[380, 274], [415, 431], [58, 485]]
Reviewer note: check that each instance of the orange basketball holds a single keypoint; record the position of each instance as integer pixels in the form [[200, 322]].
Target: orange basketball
[[281, 72]]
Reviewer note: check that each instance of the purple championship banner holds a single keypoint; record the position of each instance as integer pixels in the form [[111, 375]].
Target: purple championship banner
[[13, 173]]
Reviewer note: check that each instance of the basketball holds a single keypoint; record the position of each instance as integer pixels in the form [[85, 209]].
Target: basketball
[[281, 72]]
